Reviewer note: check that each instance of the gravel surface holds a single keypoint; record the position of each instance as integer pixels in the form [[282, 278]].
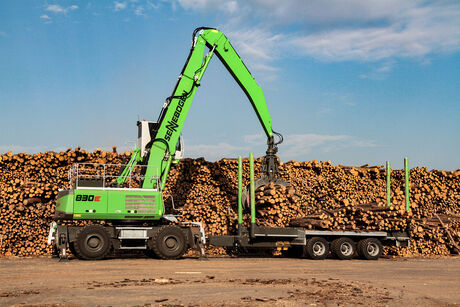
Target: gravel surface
[[230, 282]]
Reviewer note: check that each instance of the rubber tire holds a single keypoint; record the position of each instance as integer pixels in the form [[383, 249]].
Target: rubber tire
[[151, 254], [84, 251], [73, 251], [160, 247], [310, 248], [336, 248], [363, 251]]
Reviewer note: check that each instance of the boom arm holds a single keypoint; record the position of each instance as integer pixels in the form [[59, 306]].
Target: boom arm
[[176, 107]]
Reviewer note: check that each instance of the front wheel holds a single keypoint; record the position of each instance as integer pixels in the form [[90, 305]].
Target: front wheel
[[317, 248], [92, 243], [169, 242]]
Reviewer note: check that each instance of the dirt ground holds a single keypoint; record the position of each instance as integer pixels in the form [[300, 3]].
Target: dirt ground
[[230, 282]]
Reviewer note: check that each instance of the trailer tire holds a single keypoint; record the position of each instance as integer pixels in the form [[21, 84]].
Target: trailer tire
[[370, 249], [343, 248], [169, 242], [92, 242], [317, 248]]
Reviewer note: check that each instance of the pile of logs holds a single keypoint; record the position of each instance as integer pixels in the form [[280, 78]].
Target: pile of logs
[[321, 196]]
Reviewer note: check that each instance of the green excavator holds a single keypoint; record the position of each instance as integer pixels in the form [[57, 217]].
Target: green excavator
[[124, 206], [135, 195]]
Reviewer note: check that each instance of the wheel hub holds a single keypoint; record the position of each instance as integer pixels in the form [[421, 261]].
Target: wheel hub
[[171, 242], [346, 249], [94, 242], [372, 249], [318, 248]]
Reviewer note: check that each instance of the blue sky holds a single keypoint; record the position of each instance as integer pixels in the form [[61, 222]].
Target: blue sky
[[353, 82]]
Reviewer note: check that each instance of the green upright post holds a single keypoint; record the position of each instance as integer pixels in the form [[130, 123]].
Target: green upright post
[[388, 184], [240, 193], [406, 171], [168, 165], [252, 193]]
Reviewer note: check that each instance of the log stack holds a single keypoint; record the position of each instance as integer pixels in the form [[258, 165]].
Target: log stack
[[321, 196]]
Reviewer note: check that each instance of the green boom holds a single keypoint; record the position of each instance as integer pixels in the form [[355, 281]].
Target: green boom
[[147, 203], [177, 106]]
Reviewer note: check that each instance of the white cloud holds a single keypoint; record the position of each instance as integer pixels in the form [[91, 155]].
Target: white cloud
[[258, 47], [118, 6], [213, 152], [297, 146], [57, 9], [256, 139], [152, 5], [139, 11], [21, 148], [336, 30], [44, 16]]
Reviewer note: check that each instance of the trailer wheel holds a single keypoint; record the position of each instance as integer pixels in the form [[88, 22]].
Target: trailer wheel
[[169, 242], [92, 242], [317, 248], [343, 248], [370, 249]]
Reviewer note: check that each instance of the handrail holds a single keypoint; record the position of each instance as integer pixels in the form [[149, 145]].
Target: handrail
[[105, 175]]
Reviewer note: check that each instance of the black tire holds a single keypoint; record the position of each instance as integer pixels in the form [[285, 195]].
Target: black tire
[[317, 248], [169, 242], [73, 251], [343, 248], [370, 249], [92, 242], [151, 254]]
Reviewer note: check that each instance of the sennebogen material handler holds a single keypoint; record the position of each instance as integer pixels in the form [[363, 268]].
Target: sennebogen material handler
[[126, 205]]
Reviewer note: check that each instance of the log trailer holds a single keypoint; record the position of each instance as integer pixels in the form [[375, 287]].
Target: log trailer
[[126, 210]]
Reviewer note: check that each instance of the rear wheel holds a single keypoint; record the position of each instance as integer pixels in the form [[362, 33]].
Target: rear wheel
[[92, 243], [317, 248], [370, 249], [169, 242], [343, 248]]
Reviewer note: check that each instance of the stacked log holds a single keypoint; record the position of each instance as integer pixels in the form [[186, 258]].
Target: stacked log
[[29, 185], [368, 217], [321, 196]]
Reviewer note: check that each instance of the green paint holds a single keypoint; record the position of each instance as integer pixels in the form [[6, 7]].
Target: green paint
[[163, 178], [112, 204], [135, 158], [406, 173], [64, 204], [251, 188], [192, 73], [174, 113], [240, 191], [388, 184]]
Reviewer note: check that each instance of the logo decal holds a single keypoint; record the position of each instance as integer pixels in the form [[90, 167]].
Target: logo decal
[[172, 124], [85, 197]]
